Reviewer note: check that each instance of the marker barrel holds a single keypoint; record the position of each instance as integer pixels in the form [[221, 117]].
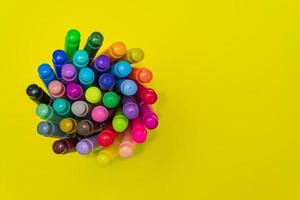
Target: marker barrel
[[47, 113], [107, 136], [147, 95], [93, 95], [86, 77], [59, 58], [116, 51], [87, 127], [62, 107], [119, 122], [93, 44], [101, 114], [130, 107], [38, 95], [141, 75], [120, 69], [88, 145], [68, 125], [48, 129], [127, 146], [80, 59], [107, 155], [134, 55], [65, 146], [74, 91], [81, 108], [46, 74], [69, 73], [106, 81], [72, 42], [138, 130], [111, 100], [57, 89], [126, 86], [148, 116], [101, 64]]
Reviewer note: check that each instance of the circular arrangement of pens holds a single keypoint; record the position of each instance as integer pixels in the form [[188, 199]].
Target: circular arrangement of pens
[[95, 103]]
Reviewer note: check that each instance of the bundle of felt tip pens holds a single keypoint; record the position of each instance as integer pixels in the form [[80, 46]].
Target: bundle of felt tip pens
[[96, 103]]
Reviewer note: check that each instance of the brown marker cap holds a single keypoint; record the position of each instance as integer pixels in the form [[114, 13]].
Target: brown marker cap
[[85, 127]]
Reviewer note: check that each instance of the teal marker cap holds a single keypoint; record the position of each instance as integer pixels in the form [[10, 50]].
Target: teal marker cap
[[61, 106], [44, 111], [86, 76], [80, 59]]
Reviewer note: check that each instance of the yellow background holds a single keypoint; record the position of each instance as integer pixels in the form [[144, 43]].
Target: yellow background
[[227, 73]]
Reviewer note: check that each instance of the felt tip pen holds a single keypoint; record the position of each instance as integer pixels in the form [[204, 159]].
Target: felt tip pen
[[46, 74], [81, 108], [138, 130], [62, 107], [65, 146], [107, 136], [48, 129], [111, 100], [120, 69], [148, 116], [127, 146], [74, 91], [147, 95], [107, 155], [59, 58], [68, 125], [106, 81], [72, 42], [93, 44], [116, 51], [100, 113], [141, 75], [69, 73], [87, 127], [126, 86], [80, 59], [134, 55], [86, 77], [87, 145], [38, 95], [57, 89], [47, 113], [119, 122], [93, 95], [130, 107], [101, 64]]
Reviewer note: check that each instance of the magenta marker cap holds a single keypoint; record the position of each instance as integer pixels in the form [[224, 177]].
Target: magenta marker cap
[[148, 116], [69, 73], [74, 91], [99, 114]]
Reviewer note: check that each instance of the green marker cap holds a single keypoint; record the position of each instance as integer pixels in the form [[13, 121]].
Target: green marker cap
[[111, 100], [95, 40], [119, 122], [44, 111], [73, 36]]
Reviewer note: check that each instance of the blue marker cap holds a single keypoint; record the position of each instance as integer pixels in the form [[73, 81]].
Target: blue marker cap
[[126, 86], [59, 58], [46, 73], [106, 81], [80, 59], [121, 69], [86, 76], [101, 64]]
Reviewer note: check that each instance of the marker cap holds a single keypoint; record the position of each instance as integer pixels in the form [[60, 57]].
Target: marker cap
[[84, 147], [80, 108], [127, 87], [68, 125], [84, 127], [121, 69], [102, 63], [74, 91], [56, 89], [73, 36], [144, 75], [151, 122], [95, 40], [117, 49], [119, 122], [135, 55], [80, 59], [93, 95], [44, 128], [69, 72], [45, 71], [130, 110], [106, 81], [139, 135], [99, 114], [111, 100], [44, 111], [86, 76], [103, 159], [61, 106], [59, 57]]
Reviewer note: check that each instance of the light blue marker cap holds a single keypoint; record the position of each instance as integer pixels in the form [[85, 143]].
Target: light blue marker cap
[[121, 69], [86, 76], [126, 86], [62, 107], [80, 59]]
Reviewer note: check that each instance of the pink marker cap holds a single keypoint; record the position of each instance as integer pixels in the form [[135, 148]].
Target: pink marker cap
[[138, 131], [99, 114], [56, 89], [127, 146]]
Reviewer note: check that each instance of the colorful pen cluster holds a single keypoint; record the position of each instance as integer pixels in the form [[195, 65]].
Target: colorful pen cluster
[[96, 103]]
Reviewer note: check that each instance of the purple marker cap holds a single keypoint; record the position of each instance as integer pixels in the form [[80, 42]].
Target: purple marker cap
[[150, 121], [88, 145], [69, 73], [74, 91], [130, 107], [102, 63]]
